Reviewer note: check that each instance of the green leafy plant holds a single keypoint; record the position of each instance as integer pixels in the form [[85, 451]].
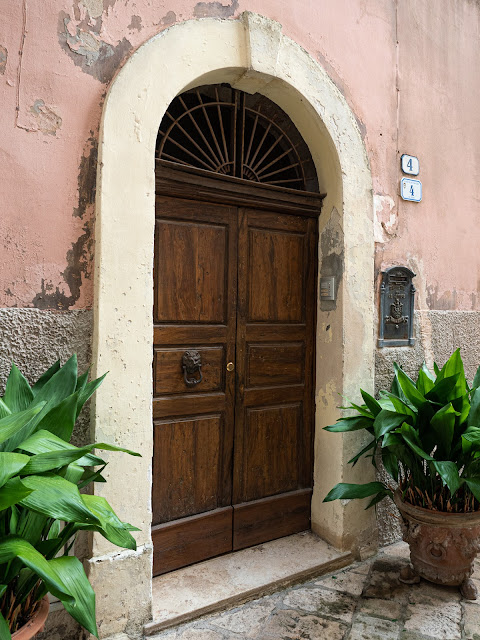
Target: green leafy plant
[[427, 434], [41, 507]]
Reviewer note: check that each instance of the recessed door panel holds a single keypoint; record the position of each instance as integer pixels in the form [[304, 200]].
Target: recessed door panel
[[190, 449], [198, 252]]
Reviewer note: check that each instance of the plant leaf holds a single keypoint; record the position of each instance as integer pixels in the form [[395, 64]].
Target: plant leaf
[[353, 461], [353, 423], [448, 471], [386, 421], [14, 422], [390, 462], [4, 628], [371, 403], [454, 366], [411, 437], [111, 527], [18, 394], [474, 486], [346, 491], [476, 380], [443, 423], [425, 380], [87, 392], [45, 377], [55, 497], [12, 492], [11, 464], [70, 572], [61, 419], [474, 415], [14, 547], [408, 387]]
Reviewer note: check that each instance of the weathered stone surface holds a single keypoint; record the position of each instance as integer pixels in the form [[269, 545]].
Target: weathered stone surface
[[247, 619], [377, 608], [339, 606], [384, 582], [368, 628], [291, 625], [347, 582], [441, 621], [397, 550], [122, 586], [471, 621]]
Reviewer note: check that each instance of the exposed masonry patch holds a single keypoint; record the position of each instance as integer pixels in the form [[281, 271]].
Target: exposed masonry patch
[[78, 263], [135, 23], [215, 9], [79, 257], [48, 121], [87, 177], [168, 19], [3, 59], [81, 41]]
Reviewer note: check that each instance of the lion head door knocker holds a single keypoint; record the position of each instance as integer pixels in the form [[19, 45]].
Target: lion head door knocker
[[192, 365]]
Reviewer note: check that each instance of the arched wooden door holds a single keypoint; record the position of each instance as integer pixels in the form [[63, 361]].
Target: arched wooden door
[[235, 291]]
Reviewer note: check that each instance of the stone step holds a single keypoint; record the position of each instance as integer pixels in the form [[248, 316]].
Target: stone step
[[229, 580]]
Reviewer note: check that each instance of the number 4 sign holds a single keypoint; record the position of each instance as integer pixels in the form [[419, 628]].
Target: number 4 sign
[[410, 165], [411, 189]]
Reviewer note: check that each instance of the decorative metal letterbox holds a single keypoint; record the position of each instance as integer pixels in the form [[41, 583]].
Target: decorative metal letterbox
[[397, 295]]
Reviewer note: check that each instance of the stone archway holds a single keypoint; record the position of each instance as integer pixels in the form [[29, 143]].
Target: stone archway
[[251, 54]]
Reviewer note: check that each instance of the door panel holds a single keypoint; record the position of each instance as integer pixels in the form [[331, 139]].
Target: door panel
[[194, 309], [273, 409]]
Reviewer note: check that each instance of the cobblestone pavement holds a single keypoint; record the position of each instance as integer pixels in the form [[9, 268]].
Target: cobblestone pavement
[[365, 601]]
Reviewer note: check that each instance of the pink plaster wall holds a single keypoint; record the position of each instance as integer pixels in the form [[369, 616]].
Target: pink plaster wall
[[408, 70]]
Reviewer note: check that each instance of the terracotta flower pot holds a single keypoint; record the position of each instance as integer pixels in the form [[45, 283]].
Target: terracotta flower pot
[[443, 546], [35, 624]]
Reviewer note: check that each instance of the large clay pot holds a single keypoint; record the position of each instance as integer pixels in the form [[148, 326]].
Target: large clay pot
[[443, 546], [35, 624]]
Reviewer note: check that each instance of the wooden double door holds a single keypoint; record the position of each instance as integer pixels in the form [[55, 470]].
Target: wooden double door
[[232, 463]]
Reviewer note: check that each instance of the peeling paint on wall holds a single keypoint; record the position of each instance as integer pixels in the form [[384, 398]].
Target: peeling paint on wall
[[48, 121], [386, 218], [79, 256], [135, 23], [168, 19], [78, 263], [87, 176], [3, 59], [82, 42], [215, 9]]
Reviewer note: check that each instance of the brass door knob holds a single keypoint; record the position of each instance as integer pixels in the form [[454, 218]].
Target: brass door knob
[[230, 366]]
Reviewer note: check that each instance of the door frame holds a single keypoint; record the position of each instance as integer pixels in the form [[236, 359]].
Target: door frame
[[251, 53]]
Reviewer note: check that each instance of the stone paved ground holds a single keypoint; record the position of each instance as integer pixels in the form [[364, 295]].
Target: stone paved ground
[[366, 601]]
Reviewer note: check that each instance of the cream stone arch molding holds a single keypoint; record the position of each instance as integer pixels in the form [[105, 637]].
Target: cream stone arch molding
[[252, 54]]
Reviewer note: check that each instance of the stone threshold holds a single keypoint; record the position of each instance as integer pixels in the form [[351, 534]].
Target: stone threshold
[[232, 579]]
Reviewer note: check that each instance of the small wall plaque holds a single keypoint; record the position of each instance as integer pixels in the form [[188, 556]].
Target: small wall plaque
[[410, 165], [411, 189], [397, 297]]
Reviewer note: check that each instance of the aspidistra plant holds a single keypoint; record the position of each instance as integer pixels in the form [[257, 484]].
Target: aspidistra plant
[[427, 435], [41, 507]]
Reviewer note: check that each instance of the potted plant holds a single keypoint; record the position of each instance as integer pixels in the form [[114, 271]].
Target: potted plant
[[427, 435], [41, 507]]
